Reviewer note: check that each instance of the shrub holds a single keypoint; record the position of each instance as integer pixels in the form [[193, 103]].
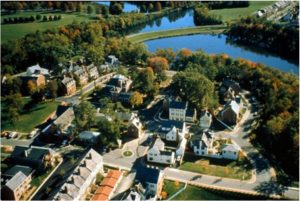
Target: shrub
[[38, 17], [45, 18]]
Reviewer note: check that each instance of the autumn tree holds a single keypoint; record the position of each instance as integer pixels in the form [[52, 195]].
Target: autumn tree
[[159, 66], [144, 81], [157, 6], [136, 99], [167, 53]]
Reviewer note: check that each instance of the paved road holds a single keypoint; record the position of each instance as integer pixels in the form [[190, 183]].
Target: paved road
[[75, 99], [14, 142]]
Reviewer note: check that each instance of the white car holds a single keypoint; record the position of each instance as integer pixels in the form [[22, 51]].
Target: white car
[[13, 134], [34, 132]]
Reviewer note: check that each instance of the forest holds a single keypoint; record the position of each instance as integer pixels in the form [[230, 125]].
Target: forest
[[275, 38]]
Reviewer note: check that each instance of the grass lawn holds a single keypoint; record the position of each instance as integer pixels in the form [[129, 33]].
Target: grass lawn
[[36, 181], [195, 193], [32, 118], [16, 31], [233, 13], [219, 167], [135, 38]]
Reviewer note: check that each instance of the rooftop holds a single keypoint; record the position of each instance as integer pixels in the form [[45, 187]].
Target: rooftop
[[16, 180], [15, 169], [178, 105]]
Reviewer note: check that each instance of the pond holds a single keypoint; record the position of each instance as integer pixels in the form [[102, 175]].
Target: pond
[[216, 44], [179, 19], [128, 7]]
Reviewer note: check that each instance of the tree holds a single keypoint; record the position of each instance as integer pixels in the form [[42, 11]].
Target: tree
[[144, 81], [45, 18], [136, 99], [167, 53], [90, 9], [79, 7], [104, 11], [195, 88], [158, 64], [157, 6], [115, 8], [185, 53], [84, 115], [110, 131]]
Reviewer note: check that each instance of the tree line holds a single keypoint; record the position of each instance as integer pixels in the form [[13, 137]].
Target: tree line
[[226, 4], [203, 17], [275, 38], [16, 20]]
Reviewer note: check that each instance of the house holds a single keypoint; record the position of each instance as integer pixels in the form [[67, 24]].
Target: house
[[133, 195], [112, 60], [15, 182], [172, 130], [81, 74], [191, 115], [230, 85], [69, 85], [104, 67], [230, 151], [92, 71], [120, 81], [62, 125], [230, 114], [108, 186], [33, 156], [37, 70], [82, 177], [151, 180], [90, 137], [135, 128], [177, 110], [202, 144], [205, 120], [38, 79], [158, 154]]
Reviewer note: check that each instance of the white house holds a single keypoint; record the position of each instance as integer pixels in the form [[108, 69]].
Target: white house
[[89, 136], [158, 154], [203, 144], [205, 120], [177, 110], [172, 130], [231, 151]]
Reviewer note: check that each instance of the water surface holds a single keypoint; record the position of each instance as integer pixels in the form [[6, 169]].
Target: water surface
[[216, 44]]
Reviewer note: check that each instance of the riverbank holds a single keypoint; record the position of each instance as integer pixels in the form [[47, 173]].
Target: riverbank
[[141, 37]]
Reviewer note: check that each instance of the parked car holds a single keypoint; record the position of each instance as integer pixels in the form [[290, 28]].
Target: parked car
[[33, 133], [13, 134]]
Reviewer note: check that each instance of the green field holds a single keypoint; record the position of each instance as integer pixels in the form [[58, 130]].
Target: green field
[[235, 169], [195, 193], [135, 38], [28, 120], [234, 13], [16, 31]]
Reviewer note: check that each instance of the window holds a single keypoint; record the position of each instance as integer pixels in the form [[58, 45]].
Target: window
[[168, 161], [151, 159]]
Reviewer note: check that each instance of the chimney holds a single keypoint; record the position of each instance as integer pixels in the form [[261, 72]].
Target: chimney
[[26, 153]]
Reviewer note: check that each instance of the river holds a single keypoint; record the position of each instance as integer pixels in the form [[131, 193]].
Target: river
[[216, 44], [211, 44]]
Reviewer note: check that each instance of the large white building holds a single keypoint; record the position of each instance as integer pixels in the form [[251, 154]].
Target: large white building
[[177, 110], [83, 176]]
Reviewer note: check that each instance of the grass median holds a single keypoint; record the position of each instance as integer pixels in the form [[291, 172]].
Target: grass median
[[213, 29]]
